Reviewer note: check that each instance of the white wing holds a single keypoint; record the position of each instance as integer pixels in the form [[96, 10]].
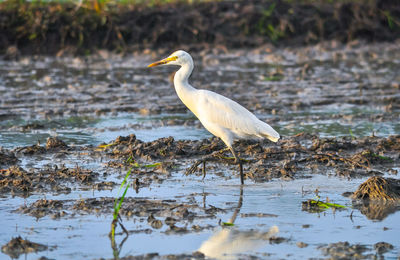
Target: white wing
[[220, 116]]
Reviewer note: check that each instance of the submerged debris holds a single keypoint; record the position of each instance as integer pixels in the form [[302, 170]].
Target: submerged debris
[[344, 250], [383, 247], [18, 246], [30, 150], [43, 207], [54, 142], [7, 157], [314, 206], [194, 255]]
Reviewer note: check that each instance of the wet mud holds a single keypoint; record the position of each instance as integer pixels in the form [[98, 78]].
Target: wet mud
[[347, 85], [337, 107], [303, 153], [344, 250], [291, 158], [50, 178], [152, 162]]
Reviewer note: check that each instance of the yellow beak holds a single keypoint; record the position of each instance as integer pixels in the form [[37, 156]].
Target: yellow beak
[[164, 61]]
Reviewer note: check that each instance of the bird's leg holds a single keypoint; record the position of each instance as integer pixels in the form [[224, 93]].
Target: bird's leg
[[204, 169], [238, 161]]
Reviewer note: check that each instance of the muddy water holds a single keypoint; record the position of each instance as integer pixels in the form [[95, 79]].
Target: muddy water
[[329, 90]]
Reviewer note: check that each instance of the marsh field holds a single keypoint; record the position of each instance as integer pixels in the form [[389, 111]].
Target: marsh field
[[99, 157]]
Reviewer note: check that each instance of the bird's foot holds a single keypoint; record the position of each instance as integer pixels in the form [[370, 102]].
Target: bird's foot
[[193, 168], [203, 161]]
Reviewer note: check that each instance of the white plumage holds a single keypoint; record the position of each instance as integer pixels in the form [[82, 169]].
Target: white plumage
[[221, 116]]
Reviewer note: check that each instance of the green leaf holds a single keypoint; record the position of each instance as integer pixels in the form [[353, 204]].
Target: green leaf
[[32, 36]]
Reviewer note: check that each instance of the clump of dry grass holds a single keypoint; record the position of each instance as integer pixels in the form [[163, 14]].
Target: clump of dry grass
[[378, 188]]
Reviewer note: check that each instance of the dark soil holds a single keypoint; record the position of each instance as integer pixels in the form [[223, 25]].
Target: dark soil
[[292, 157], [51, 177], [7, 157], [304, 153], [176, 216], [51, 28]]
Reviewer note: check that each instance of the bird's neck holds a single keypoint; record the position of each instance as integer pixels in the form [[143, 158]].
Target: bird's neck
[[184, 90]]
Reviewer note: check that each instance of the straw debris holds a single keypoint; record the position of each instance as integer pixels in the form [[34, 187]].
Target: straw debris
[[378, 188]]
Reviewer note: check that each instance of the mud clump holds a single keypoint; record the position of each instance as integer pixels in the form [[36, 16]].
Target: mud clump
[[383, 247], [311, 154], [156, 212], [18, 246], [31, 150], [263, 161], [163, 148], [15, 180], [54, 142], [43, 207], [19, 181], [344, 250], [139, 208], [7, 157], [378, 188]]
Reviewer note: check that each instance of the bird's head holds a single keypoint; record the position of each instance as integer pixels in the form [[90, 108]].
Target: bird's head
[[177, 58]]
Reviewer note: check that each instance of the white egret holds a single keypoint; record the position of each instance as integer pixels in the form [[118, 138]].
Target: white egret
[[221, 116]]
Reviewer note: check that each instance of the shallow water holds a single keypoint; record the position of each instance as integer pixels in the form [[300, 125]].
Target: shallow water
[[74, 236], [342, 91]]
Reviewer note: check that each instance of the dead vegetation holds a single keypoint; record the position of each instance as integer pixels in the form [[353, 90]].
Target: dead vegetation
[[377, 197], [21, 182], [292, 157], [378, 188]]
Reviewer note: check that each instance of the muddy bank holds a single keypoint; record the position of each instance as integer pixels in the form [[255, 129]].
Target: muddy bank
[[155, 163], [49, 177], [329, 89], [304, 153], [51, 28], [152, 162]]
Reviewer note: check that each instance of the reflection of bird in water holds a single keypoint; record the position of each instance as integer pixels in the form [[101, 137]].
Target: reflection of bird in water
[[221, 116], [228, 241]]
